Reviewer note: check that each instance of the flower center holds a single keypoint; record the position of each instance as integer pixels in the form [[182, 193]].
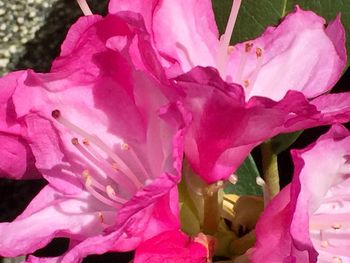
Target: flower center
[[107, 176]]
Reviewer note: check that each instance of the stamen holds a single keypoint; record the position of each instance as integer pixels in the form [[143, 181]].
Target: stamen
[[186, 53], [113, 195], [337, 260], [336, 226], [258, 52], [326, 221], [259, 57], [324, 244], [98, 161], [84, 7], [222, 57], [248, 47], [124, 146], [230, 50], [261, 182], [91, 181], [86, 142], [100, 217], [233, 179], [246, 83], [55, 114], [98, 196], [100, 144], [75, 141], [243, 61]]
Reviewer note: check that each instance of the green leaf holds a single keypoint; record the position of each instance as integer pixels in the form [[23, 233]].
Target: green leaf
[[254, 16], [281, 142], [246, 184]]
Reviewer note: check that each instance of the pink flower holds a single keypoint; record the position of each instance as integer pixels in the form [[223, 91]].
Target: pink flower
[[171, 246], [310, 217], [298, 60], [105, 137], [301, 53], [225, 128]]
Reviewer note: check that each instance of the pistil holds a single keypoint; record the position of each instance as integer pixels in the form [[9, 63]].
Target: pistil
[[222, 56], [84, 7]]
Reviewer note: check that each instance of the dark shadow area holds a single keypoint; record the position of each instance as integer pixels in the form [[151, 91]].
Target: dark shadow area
[[16, 195], [55, 248], [110, 257], [308, 136]]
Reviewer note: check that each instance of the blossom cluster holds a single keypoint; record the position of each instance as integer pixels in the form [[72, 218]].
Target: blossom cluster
[[135, 93]]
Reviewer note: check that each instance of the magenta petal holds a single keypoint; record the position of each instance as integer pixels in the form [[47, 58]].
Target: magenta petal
[[171, 246], [12, 151], [225, 128], [278, 212], [299, 54]]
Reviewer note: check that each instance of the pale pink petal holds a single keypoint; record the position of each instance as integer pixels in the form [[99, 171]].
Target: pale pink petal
[[310, 217], [52, 215], [184, 31], [323, 174], [171, 246], [300, 54]]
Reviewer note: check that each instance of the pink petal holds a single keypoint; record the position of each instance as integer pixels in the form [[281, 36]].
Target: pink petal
[[12, 151], [184, 31], [171, 246], [225, 128], [51, 215], [306, 213], [299, 54]]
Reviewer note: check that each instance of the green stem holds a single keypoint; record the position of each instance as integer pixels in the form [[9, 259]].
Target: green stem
[[270, 169]]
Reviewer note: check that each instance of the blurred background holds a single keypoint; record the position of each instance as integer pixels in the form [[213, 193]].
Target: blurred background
[[31, 32]]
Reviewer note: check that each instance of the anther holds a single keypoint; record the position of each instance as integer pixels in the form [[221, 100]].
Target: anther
[[86, 174], [230, 50], [100, 217], [86, 141], [337, 260], [88, 181], [248, 47], [110, 191], [75, 141], [56, 114], [246, 83], [336, 226], [258, 52], [324, 244], [233, 179], [115, 167], [124, 146], [260, 181]]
